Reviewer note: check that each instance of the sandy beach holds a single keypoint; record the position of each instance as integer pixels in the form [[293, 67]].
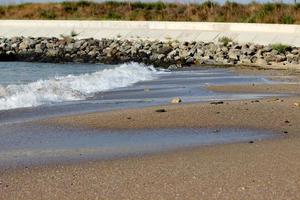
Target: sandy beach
[[149, 100], [267, 169]]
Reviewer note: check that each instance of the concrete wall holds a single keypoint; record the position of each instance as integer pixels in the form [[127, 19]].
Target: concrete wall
[[182, 31]]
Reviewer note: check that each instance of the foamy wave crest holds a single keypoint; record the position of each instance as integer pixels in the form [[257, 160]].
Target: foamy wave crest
[[72, 88]]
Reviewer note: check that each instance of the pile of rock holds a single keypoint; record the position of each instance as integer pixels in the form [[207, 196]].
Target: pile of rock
[[158, 53]]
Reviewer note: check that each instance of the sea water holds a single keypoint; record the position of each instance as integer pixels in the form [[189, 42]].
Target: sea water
[[32, 84], [30, 91]]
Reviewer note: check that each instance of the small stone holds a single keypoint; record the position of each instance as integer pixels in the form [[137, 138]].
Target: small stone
[[287, 121], [175, 66], [176, 100], [172, 67], [161, 110], [297, 104], [217, 102]]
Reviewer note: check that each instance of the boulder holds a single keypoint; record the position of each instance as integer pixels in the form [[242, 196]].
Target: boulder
[[292, 57], [52, 52], [280, 58], [190, 60], [23, 46], [234, 54], [164, 49], [69, 47], [261, 62], [78, 43]]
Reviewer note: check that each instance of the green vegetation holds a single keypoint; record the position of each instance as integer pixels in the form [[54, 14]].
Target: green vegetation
[[225, 40], [281, 48], [207, 11], [288, 19], [47, 14]]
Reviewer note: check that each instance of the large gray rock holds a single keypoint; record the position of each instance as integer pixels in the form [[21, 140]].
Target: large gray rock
[[261, 62], [292, 58], [77, 44], [69, 47], [234, 54], [164, 49], [23, 45], [190, 60], [52, 52], [280, 58]]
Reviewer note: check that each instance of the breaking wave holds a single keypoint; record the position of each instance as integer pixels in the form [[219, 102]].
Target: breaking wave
[[72, 88]]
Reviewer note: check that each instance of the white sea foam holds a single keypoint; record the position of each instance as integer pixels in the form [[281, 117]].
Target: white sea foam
[[72, 88]]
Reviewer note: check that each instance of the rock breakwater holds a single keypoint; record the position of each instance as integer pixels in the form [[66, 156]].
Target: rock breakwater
[[158, 53]]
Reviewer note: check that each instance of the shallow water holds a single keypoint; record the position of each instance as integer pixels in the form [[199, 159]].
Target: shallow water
[[104, 88], [35, 145], [131, 86]]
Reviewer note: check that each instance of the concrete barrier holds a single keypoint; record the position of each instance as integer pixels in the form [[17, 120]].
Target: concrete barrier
[[152, 30]]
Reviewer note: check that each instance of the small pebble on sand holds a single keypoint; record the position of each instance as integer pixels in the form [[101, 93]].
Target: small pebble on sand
[[176, 100], [217, 102], [160, 110]]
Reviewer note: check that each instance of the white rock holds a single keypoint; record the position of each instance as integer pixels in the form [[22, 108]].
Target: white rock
[[176, 100]]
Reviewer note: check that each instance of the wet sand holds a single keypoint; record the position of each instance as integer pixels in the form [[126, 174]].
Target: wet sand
[[268, 169], [239, 114], [258, 88]]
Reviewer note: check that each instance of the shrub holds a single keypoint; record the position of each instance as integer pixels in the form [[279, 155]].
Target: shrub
[[115, 3], [268, 7], [231, 4], [82, 3], [209, 4], [69, 7], [281, 48], [225, 40], [2, 10], [113, 15], [149, 6], [47, 14], [297, 6], [288, 19]]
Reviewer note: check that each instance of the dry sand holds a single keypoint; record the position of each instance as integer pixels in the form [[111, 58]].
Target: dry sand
[[267, 169]]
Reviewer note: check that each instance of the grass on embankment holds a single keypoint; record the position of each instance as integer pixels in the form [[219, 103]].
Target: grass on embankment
[[208, 11]]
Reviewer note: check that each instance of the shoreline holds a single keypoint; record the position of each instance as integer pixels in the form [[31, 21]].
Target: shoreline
[[266, 169]]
